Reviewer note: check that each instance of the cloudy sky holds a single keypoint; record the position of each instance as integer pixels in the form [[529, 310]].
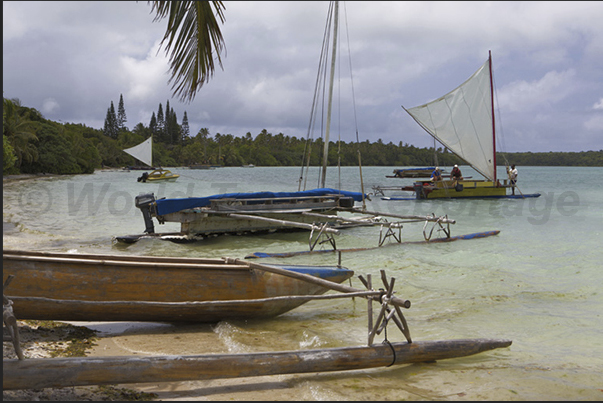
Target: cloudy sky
[[70, 59]]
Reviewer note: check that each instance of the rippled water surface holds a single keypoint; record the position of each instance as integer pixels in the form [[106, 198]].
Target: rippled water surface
[[538, 282]]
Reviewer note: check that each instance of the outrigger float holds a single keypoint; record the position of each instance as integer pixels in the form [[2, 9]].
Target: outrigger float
[[26, 373], [259, 255]]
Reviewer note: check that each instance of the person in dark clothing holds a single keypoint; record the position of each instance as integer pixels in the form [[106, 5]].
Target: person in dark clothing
[[456, 173]]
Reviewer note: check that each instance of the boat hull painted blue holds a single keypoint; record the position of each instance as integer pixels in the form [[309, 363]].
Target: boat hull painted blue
[[476, 197]]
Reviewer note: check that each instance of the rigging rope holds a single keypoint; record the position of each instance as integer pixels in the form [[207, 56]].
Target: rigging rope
[[321, 87], [317, 89], [354, 105], [500, 138]]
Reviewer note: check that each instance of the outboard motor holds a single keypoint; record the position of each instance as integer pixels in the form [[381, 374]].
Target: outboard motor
[[346, 202], [144, 201], [143, 178], [419, 190]]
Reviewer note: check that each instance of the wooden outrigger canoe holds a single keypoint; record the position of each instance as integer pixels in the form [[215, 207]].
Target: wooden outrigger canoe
[[63, 372], [94, 287]]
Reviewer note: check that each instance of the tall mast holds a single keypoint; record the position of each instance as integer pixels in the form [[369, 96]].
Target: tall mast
[[333, 57], [493, 125]]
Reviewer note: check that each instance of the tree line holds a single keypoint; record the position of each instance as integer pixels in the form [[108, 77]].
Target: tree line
[[33, 144]]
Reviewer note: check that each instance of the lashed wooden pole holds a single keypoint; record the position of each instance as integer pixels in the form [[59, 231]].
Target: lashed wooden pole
[[63, 372], [315, 280]]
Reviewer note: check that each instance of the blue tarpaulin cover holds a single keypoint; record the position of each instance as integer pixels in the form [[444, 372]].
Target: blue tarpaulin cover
[[167, 206]]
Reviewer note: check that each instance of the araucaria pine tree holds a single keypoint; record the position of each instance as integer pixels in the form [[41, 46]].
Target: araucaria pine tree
[[160, 124], [186, 132], [153, 124], [167, 129], [121, 114], [111, 128]]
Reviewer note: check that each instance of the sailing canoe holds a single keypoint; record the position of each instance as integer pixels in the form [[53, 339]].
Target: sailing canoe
[[463, 121], [143, 152], [94, 287]]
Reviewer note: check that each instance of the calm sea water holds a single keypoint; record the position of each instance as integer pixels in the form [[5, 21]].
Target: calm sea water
[[537, 283]]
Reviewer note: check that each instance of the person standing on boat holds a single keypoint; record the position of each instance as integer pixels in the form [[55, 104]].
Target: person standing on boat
[[456, 173], [512, 172], [436, 175]]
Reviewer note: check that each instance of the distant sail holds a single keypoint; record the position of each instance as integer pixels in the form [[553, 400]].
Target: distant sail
[[143, 152], [462, 121]]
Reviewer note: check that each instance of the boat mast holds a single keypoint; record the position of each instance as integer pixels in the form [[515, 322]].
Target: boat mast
[[493, 124], [333, 57]]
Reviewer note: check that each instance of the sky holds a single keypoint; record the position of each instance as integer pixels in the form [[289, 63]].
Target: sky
[[70, 60]]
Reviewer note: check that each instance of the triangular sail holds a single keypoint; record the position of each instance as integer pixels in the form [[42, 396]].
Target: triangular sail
[[143, 152], [462, 121]]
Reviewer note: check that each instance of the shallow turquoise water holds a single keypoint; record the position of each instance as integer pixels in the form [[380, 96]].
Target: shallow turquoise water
[[537, 283]]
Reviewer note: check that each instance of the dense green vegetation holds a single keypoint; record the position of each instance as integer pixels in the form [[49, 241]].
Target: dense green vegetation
[[33, 144]]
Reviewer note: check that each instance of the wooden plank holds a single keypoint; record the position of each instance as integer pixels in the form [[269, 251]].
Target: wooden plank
[[63, 372], [284, 223], [283, 203], [443, 220], [154, 259], [125, 264]]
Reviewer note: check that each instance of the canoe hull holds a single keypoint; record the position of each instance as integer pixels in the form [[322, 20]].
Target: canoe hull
[[467, 189], [463, 189], [61, 286]]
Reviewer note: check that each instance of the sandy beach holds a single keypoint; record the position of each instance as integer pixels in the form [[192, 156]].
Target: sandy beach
[[22, 177], [44, 341], [48, 339]]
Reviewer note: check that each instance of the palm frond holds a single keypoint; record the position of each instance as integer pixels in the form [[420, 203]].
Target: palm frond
[[192, 39]]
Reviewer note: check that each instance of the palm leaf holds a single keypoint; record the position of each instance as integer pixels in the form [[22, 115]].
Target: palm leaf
[[193, 38]]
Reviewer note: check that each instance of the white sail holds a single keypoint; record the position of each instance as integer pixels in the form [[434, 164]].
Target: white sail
[[462, 121], [143, 152]]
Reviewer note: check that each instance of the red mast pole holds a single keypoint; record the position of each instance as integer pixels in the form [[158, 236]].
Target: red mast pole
[[493, 125]]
